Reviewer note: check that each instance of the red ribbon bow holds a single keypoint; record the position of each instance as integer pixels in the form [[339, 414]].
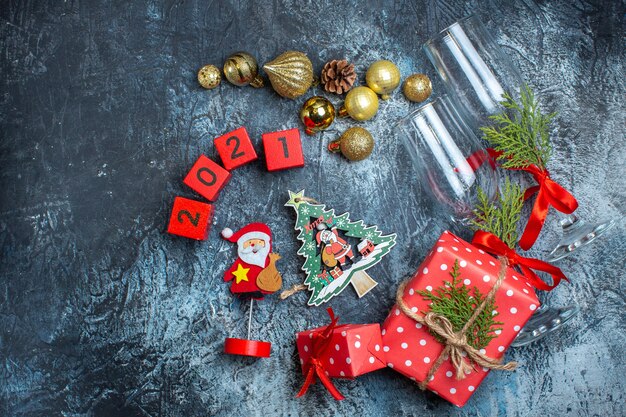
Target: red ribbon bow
[[314, 367], [492, 244], [549, 193]]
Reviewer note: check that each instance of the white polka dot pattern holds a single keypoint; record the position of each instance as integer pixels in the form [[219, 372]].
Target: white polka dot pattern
[[413, 350]]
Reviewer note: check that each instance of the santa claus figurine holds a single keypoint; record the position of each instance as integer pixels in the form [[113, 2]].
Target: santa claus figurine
[[253, 275], [335, 250]]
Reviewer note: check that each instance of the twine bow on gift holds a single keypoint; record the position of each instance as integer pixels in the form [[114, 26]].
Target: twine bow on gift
[[549, 193], [314, 367], [456, 342]]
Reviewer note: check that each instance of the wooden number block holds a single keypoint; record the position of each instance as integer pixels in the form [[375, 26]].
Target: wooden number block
[[190, 219], [283, 150], [207, 178], [235, 148]]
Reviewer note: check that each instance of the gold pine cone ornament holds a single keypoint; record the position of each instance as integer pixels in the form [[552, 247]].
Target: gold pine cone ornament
[[242, 69], [361, 104], [383, 77], [355, 144], [317, 114], [290, 73]]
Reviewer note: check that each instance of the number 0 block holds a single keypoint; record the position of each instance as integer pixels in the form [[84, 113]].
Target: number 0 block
[[190, 219], [235, 148], [207, 178], [283, 150]]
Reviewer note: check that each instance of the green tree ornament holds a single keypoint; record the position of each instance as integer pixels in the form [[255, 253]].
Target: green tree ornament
[[337, 251]]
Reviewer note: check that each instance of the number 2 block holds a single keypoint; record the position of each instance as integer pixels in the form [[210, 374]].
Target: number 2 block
[[235, 148], [190, 218], [207, 178], [283, 150]]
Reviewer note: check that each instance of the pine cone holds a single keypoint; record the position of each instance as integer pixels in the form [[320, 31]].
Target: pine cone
[[338, 76]]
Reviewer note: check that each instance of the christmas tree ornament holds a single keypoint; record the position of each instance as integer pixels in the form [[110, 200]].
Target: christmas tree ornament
[[252, 276], [339, 351], [337, 250], [242, 69], [355, 144], [338, 76], [383, 77], [209, 77], [290, 73], [361, 104], [417, 88], [317, 114]]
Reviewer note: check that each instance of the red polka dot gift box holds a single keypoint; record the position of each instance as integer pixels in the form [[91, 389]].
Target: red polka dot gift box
[[452, 281], [339, 351]]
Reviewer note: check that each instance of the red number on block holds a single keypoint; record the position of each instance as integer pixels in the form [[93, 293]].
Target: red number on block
[[235, 148], [190, 218], [283, 150], [207, 178]]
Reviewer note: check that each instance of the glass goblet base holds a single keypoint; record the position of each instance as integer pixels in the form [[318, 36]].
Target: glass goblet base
[[576, 234], [545, 321]]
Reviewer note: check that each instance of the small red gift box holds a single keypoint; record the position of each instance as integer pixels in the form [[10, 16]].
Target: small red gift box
[[339, 351], [410, 347]]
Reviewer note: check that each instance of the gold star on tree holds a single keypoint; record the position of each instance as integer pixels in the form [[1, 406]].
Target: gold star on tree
[[241, 274]]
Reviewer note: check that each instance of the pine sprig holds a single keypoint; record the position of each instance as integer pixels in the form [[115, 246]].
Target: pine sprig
[[522, 132], [502, 217], [454, 301]]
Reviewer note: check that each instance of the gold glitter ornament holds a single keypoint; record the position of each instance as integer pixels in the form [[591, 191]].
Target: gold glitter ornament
[[383, 77], [361, 104], [242, 69], [355, 144], [209, 77], [317, 114], [290, 73], [417, 88]]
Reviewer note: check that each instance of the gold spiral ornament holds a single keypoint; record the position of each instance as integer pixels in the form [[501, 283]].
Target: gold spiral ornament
[[242, 69], [290, 73]]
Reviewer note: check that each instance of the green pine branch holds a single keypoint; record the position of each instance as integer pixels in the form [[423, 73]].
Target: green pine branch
[[522, 132], [454, 301], [502, 217]]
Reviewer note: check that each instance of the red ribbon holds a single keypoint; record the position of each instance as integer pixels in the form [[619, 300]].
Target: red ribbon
[[492, 244], [478, 158], [549, 193], [314, 367]]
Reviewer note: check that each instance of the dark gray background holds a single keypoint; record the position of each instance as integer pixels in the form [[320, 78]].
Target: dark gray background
[[103, 314]]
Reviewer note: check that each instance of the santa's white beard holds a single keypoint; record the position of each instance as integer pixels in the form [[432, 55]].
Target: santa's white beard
[[250, 257]]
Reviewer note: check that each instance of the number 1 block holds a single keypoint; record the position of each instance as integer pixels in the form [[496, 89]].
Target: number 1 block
[[190, 219], [283, 150], [207, 178], [235, 148]]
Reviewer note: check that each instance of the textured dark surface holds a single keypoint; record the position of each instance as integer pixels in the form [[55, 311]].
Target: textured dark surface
[[103, 314]]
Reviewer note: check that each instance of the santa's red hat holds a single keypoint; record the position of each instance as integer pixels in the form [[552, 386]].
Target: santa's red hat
[[251, 231]]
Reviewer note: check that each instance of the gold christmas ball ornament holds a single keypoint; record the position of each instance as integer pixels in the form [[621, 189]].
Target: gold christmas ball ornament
[[417, 88], [209, 77], [242, 69], [355, 144], [361, 104], [317, 114], [290, 73], [383, 77]]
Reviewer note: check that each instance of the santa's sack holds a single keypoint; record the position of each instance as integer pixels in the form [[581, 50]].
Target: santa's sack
[[269, 279]]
